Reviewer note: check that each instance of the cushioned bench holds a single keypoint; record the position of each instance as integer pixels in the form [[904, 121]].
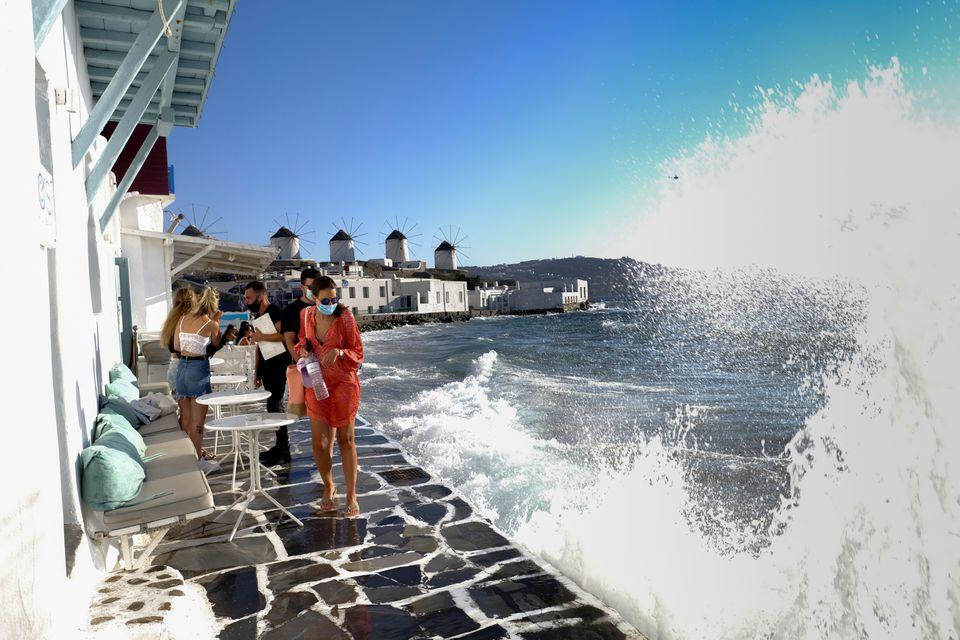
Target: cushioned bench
[[174, 490]]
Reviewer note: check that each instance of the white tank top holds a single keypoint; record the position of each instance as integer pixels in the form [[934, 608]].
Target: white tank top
[[193, 342]]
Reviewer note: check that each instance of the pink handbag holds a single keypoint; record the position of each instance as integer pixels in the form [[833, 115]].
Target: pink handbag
[[296, 403]]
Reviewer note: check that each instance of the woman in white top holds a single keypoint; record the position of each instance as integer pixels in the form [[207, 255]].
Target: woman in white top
[[194, 332]]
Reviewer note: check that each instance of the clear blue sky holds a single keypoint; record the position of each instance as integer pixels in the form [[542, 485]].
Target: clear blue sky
[[537, 127]]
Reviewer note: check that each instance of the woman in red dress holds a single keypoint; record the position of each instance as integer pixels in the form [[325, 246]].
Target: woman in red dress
[[329, 331]]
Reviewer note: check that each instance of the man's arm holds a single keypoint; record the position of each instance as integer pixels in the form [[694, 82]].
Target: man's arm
[[290, 339]]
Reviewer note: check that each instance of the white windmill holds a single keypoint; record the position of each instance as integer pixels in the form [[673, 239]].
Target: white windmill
[[343, 244], [196, 227], [288, 237], [397, 242], [451, 242]]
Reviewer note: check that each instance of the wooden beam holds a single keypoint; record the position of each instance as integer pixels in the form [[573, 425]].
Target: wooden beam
[[197, 256], [140, 50], [129, 176], [45, 13], [118, 140]]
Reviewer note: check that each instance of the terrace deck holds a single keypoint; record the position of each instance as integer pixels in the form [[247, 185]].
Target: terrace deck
[[418, 563]]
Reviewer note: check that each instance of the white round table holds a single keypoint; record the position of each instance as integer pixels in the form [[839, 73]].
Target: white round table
[[226, 398], [251, 425], [233, 378]]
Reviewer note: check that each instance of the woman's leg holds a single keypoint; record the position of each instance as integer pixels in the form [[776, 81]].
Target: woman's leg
[[348, 454], [184, 418], [321, 436], [200, 419], [193, 411]]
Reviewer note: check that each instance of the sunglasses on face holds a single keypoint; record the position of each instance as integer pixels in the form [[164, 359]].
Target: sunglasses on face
[[326, 301]]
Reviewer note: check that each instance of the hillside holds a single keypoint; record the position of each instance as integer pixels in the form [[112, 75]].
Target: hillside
[[611, 279]]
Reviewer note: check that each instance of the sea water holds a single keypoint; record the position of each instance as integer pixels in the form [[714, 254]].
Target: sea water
[[762, 442]]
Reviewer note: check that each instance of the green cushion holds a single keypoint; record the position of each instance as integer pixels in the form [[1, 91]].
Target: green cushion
[[110, 477], [123, 389], [121, 371], [119, 406], [106, 421], [114, 431]]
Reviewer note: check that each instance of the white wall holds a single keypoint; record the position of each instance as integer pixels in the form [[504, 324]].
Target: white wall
[[434, 296], [374, 299], [57, 369], [149, 260]]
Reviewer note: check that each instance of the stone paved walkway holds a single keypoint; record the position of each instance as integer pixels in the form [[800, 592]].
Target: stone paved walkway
[[418, 563]]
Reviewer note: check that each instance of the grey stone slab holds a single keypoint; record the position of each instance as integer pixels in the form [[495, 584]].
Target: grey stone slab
[[245, 629], [383, 595], [430, 512], [420, 544], [383, 562], [321, 534], [200, 559], [519, 595], [372, 551], [472, 536], [519, 568], [309, 625], [585, 613], [433, 491], [376, 502], [461, 510], [447, 622], [300, 576], [234, 594], [493, 557], [381, 622], [287, 606], [336, 592], [603, 630], [447, 578], [493, 632], [444, 562], [288, 565]]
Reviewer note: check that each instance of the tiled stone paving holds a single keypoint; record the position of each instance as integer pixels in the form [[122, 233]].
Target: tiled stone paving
[[417, 563]]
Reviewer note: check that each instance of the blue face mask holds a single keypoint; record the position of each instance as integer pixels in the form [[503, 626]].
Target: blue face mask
[[309, 295], [326, 309]]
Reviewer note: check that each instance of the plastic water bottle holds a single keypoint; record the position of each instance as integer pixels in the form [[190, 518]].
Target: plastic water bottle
[[316, 378]]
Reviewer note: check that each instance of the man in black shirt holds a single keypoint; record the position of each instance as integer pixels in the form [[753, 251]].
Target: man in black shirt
[[272, 373], [291, 312]]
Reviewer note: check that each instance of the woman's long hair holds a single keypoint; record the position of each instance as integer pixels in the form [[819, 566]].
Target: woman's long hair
[[183, 303], [208, 302]]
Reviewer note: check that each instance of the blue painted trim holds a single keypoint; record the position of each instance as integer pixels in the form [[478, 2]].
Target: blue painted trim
[[45, 13], [132, 63], [133, 114], [129, 176]]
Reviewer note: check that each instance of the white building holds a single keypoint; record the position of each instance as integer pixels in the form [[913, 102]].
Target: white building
[[489, 298], [554, 295], [365, 295], [422, 295], [71, 106]]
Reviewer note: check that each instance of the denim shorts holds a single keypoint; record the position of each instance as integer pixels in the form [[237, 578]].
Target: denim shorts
[[193, 378]]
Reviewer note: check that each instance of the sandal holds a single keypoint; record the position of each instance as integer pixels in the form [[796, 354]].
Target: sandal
[[353, 511], [206, 455], [329, 504]]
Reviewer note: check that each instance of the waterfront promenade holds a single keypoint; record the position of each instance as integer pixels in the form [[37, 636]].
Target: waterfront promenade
[[417, 563]]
